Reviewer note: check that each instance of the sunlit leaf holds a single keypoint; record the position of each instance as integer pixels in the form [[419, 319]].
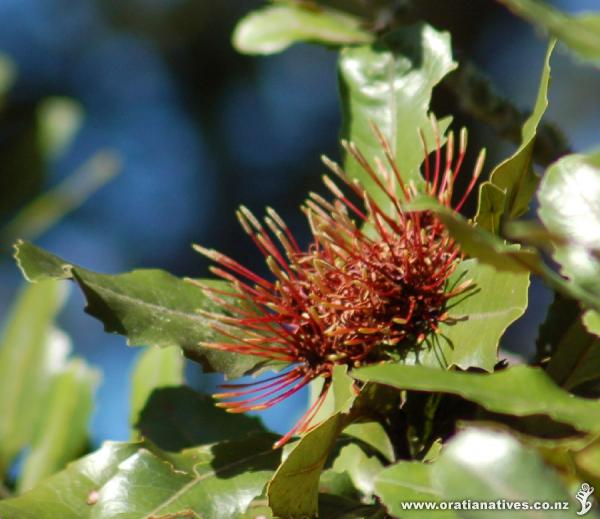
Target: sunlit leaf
[[480, 316], [71, 493], [218, 481], [293, 491], [591, 320], [31, 353], [149, 307], [569, 198], [389, 83], [340, 396], [519, 391], [374, 435], [213, 482], [62, 429], [479, 243], [587, 461], [512, 184], [408, 482], [276, 27], [483, 465], [360, 466]]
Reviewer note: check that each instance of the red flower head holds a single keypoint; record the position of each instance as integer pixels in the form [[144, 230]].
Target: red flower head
[[373, 282]]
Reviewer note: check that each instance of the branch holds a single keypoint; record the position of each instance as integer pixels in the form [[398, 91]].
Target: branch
[[477, 97]]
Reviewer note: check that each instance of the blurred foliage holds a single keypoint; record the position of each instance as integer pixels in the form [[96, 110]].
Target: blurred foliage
[[454, 421]]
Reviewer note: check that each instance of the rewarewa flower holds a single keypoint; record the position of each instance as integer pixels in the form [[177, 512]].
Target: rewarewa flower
[[373, 282]]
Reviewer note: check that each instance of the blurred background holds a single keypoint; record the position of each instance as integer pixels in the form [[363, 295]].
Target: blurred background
[[168, 129]]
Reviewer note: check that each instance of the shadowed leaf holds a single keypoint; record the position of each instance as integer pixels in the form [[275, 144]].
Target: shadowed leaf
[[155, 368], [149, 307], [175, 418]]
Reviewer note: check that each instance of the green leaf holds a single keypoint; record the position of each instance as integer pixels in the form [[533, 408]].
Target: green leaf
[[518, 391], [581, 33], [340, 396], [178, 417], [481, 244], [488, 248], [490, 207], [485, 465], [335, 507], [331, 506], [513, 183], [139, 481], [149, 307], [580, 364], [154, 368], [30, 355], [568, 197], [409, 482], [587, 461], [276, 27], [293, 491], [373, 434], [591, 321], [561, 315], [212, 482], [573, 351], [67, 494], [575, 356], [360, 466], [482, 314], [337, 483], [389, 83], [62, 430]]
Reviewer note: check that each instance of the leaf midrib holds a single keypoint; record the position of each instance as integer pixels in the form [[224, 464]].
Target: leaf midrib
[[184, 489]]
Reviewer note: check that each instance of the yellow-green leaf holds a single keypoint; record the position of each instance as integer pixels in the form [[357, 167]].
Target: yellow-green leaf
[[512, 184], [276, 27], [389, 83]]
